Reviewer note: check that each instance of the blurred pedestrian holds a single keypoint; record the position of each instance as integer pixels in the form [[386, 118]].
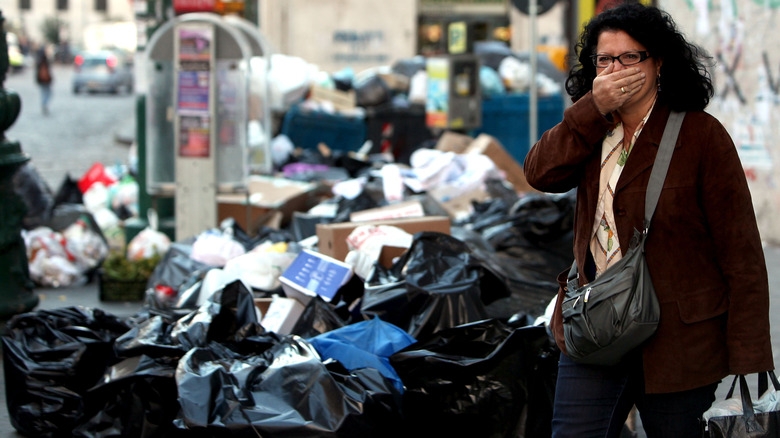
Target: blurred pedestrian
[[43, 77], [703, 248]]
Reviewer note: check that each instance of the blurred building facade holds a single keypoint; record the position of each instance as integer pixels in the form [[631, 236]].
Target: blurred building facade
[[76, 20]]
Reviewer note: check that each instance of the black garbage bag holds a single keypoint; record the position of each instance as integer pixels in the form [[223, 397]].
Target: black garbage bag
[[51, 358], [36, 195], [177, 269], [136, 398], [68, 192], [225, 312], [371, 90], [437, 284], [317, 318], [363, 201], [219, 319], [530, 242], [481, 379], [150, 336], [287, 391]]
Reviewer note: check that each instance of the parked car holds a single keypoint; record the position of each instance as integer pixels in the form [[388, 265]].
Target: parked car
[[16, 59], [102, 70]]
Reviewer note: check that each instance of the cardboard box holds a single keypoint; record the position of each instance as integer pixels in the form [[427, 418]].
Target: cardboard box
[[262, 305], [394, 211], [313, 274], [268, 201], [450, 141], [460, 207], [342, 100], [282, 314], [333, 237], [488, 145], [389, 253], [396, 81]]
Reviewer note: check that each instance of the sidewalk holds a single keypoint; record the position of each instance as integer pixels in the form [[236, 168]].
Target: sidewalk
[[87, 295]]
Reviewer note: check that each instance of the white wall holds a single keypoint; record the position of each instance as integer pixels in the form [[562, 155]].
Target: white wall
[[335, 34], [741, 35]]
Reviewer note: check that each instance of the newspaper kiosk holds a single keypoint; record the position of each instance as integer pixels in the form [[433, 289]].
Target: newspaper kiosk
[[197, 113]]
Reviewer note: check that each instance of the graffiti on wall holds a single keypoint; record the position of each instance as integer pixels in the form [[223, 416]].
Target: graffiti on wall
[[740, 35], [745, 101]]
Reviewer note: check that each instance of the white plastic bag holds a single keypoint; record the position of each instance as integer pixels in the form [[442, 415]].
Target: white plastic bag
[[366, 242], [86, 246], [149, 242], [215, 249], [768, 402], [260, 268], [50, 263]]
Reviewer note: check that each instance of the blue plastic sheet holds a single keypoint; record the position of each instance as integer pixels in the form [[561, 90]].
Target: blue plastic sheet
[[367, 344]]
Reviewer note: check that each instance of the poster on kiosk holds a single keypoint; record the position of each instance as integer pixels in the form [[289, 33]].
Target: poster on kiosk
[[193, 130]]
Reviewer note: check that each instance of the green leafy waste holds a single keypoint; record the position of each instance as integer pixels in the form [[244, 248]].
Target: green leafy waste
[[116, 266]]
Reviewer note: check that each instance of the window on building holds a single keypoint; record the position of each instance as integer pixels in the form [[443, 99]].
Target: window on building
[[24, 5], [101, 5], [62, 5]]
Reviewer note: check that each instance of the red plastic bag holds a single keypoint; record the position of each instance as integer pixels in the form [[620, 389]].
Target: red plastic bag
[[96, 173]]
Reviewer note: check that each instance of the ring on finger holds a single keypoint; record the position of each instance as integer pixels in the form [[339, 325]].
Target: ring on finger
[[623, 90]]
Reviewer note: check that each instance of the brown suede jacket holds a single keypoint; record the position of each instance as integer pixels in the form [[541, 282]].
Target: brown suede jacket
[[703, 249]]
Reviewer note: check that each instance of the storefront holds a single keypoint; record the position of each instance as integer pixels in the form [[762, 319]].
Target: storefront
[[485, 20]]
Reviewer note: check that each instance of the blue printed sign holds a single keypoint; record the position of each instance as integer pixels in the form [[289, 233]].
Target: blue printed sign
[[313, 274]]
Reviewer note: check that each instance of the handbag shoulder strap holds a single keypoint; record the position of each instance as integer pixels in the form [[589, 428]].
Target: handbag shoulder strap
[[661, 166]]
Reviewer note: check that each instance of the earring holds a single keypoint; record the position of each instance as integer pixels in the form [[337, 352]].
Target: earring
[[658, 82]]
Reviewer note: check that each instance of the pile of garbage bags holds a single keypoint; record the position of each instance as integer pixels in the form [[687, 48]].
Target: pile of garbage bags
[[215, 371], [444, 340]]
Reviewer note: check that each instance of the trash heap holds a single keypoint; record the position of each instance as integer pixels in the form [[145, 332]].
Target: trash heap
[[358, 316], [70, 233], [383, 109], [397, 290]]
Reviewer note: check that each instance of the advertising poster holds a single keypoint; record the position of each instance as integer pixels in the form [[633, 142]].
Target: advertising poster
[[193, 94], [194, 90], [195, 45], [194, 135], [437, 101]]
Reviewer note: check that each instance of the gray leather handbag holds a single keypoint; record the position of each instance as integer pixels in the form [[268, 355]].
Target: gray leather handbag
[[609, 317]]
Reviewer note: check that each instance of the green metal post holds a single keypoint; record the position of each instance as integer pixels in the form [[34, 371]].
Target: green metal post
[[16, 288]]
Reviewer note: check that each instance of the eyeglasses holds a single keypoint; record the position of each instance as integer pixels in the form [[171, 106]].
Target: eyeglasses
[[628, 58]]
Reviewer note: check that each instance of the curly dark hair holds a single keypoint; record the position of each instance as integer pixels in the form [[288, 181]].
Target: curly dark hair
[[686, 84]]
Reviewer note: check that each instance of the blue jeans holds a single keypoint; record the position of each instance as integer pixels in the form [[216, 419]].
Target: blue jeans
[[45, 96], [594, 401]]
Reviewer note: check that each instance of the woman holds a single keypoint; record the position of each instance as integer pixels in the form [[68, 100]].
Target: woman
[[703, 249], [43, 78]]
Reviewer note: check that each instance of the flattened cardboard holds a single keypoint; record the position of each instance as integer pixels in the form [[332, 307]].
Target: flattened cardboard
[[490, 146], [341, 100], [450, 141], [333, 237], [393, 211], [269, 201], [460, 207]]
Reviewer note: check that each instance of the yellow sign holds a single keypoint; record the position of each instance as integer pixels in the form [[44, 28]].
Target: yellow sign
[[457, 37]]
